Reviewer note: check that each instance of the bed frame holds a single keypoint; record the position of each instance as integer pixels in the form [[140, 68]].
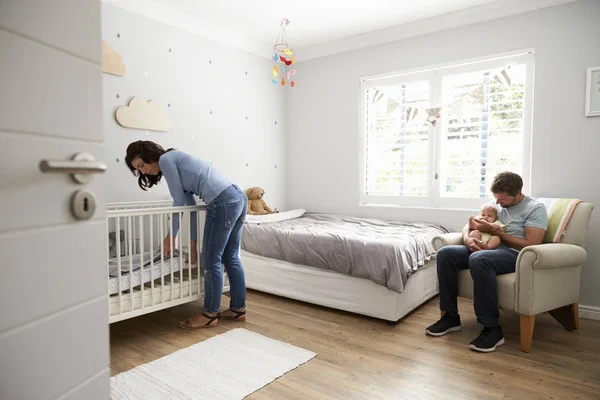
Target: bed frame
[[339, 291], [135, 229]]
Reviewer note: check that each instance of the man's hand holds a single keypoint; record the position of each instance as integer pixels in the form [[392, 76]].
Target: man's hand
[[471, 223], [483, 226]]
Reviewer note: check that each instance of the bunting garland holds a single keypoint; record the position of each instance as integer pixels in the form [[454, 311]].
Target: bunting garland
[[420, 116]]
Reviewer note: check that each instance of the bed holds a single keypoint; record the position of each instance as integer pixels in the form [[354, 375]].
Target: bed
[[383, 269]]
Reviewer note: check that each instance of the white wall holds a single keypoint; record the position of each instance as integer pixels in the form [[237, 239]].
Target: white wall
[[244, 135], [322, 115]]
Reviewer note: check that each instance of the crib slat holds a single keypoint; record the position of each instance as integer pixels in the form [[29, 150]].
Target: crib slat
[[190, 252], [200, 254], [119, 288], [130, 249], [181, 258], [172, 250], [108, 258], [198, 247], [141, 233], [162, 258], [152, 254]]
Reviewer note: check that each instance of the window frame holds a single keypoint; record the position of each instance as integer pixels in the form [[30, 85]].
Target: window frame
[[435, 74]]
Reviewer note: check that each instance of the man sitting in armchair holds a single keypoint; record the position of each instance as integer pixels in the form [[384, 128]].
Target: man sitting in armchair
[[526, 221]]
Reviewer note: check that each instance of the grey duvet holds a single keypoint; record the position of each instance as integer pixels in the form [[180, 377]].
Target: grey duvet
[[384, 252]]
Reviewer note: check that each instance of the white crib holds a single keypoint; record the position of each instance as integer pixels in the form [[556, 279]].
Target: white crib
[[140, 278]]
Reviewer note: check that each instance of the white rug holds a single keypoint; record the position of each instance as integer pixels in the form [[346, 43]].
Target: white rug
[[228, 366]]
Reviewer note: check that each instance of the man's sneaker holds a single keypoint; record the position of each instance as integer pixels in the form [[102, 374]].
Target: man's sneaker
[[488, 339], [445, 325]]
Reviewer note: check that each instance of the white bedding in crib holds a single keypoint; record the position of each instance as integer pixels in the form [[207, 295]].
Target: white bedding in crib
[[147, 273]]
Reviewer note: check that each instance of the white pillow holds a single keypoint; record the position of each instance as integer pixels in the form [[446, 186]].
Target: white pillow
[[277, 217]]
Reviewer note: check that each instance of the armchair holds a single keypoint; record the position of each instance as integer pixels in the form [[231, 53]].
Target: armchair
[[546, 277]]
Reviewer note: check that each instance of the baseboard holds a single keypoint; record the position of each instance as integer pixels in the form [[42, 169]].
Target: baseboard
[[589, 312]]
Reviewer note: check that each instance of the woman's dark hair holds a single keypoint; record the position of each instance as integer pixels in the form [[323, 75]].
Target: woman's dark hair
[[149, 152], [507, 182]]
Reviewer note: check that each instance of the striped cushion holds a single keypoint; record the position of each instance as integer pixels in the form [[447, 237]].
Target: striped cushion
[[559, 215]]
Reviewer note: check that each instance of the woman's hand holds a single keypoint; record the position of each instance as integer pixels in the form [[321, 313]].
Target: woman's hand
[[194, 251], [167, 245]]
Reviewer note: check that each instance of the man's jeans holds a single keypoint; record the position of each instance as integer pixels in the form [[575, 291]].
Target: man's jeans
[[484, 266], [225, 218]]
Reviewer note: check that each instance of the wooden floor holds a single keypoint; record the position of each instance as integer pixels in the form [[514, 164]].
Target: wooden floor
[[364, 358]]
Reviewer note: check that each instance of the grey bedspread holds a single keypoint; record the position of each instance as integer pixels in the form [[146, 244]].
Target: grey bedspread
[[384, 252]]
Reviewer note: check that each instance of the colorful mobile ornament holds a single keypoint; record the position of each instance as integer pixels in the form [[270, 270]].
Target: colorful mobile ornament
[[283, 57]]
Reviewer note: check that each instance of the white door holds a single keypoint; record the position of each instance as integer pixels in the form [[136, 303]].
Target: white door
[[54, 341]]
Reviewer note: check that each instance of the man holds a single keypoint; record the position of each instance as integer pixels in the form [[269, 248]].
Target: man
[[526, 221]]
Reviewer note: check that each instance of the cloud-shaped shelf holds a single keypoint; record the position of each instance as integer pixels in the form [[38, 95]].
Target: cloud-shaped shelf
[[144, 114]]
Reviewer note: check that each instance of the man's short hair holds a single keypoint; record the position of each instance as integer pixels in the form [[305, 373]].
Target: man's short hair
[[507, 182]]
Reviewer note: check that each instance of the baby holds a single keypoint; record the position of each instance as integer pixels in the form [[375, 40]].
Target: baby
[[488, 213]]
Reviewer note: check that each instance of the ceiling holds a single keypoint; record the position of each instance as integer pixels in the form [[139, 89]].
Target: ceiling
[[322, 27]]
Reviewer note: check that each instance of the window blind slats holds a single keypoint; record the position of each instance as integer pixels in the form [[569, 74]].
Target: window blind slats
[[485, 139]]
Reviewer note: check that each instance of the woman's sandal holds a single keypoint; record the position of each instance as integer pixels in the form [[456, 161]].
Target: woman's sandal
[[239, 315], [212, 321]]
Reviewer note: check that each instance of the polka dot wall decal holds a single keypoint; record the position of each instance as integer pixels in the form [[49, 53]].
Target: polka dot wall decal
[[209, 61], [117, 95], [246, 117], [118, 35], [169, 104], [275, 122], [117, 160], [210, 112], [245, 72], [246, 164], [170, 51]]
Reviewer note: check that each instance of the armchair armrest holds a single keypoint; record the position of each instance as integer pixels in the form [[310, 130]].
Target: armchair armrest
[[447, 239], [547, 277], [552, 255]]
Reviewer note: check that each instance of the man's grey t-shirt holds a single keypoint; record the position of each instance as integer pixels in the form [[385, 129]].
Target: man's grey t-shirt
[[528, 212]]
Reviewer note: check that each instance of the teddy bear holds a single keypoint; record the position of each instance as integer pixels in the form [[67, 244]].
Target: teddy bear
[[256, 205]]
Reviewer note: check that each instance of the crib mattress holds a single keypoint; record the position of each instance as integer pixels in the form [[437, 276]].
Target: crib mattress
[[139, 274]]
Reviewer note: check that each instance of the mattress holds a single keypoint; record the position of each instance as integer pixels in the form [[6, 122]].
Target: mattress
[[385, 252], [139, 274]]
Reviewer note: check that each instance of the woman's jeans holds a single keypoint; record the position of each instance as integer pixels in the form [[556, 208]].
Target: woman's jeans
[[484, 266], [225, 217]]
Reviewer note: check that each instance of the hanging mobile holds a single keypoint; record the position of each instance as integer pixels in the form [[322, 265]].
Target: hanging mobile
[[282, 55]]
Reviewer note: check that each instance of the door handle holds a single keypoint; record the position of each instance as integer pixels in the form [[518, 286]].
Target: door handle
[[80, 167]]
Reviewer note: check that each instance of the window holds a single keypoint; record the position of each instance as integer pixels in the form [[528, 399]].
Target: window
[[437, 137]]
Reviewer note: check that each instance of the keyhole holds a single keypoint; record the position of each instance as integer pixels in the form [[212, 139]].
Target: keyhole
[[85, 204]]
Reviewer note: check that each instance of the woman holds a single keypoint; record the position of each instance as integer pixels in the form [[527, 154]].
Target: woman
[[225, 214]]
